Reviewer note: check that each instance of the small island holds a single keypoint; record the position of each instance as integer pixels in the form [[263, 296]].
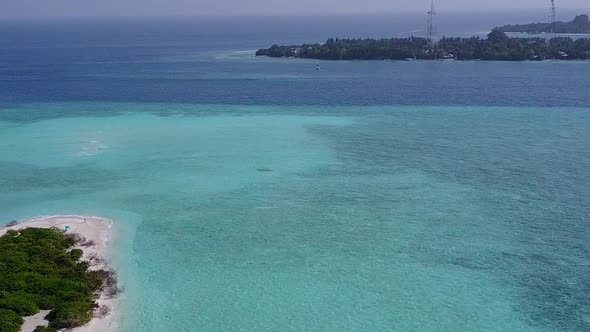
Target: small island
[[51, 277], [497, 46], [580, 24]]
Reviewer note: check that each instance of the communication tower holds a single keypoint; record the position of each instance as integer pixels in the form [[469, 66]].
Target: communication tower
[[552, 17], [431, 31]]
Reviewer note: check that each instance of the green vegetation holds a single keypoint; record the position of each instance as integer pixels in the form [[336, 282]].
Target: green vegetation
[[40, 270], [9, 321], [580, 24], [498, 46]]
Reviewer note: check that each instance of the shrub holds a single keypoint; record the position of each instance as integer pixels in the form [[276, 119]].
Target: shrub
[[70, 315], [70, 240], [44, 329], [38, 271], [76, 254], [47, 302], [104, 281], [10, 321], [21, 303]]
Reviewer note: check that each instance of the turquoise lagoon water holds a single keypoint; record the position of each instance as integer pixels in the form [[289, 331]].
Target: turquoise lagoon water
[[257, 194], [260, 218]]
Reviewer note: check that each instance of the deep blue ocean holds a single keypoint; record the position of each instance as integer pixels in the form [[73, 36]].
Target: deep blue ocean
[[262, 194]]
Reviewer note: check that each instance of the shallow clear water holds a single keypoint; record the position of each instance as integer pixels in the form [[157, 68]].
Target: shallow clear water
[[256, 194]]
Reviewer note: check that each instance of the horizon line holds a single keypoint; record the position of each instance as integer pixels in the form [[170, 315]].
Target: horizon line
[[276, 15]]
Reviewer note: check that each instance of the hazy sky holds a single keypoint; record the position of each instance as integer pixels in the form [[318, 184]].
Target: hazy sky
[[60, 8]]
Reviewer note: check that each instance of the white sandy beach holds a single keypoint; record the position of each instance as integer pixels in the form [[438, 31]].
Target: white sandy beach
[[99, 230]]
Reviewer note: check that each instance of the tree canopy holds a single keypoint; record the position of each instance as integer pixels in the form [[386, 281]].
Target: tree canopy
[[40, 270], [498, 46]]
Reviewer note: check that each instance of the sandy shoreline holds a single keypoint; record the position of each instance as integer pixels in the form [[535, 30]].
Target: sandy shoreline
[[100, 231]]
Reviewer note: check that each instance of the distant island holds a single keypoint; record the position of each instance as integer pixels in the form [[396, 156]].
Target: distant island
[[580, 24], [497, 46]]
